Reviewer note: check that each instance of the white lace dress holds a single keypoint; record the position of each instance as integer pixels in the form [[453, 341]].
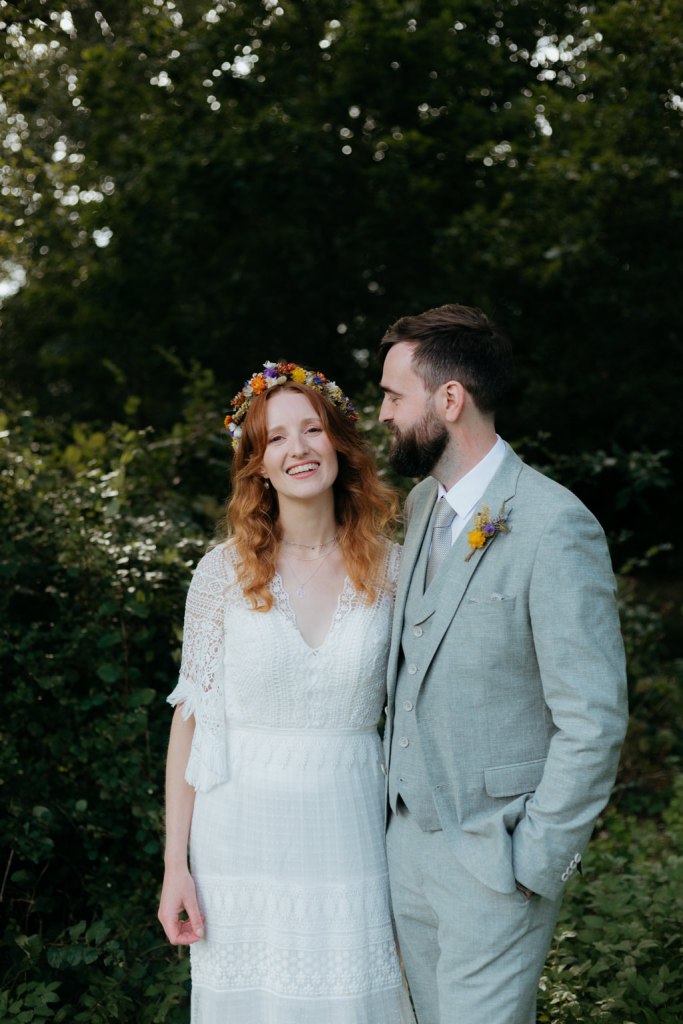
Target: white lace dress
[[287, 838]]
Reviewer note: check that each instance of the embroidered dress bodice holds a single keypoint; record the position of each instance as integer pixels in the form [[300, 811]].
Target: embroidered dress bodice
[[275, 678], [287, 843]]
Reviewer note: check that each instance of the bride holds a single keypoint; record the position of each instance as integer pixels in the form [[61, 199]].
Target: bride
[[275, 776]]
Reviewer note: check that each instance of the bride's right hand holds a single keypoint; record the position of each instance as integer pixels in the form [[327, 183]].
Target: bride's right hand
[[178, 896]]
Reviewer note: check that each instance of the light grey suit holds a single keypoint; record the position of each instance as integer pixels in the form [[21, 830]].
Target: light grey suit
[[519, 714]]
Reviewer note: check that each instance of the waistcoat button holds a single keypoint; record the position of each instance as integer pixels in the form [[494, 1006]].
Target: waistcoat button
[[412, 669], [404, 741], [407, 705]]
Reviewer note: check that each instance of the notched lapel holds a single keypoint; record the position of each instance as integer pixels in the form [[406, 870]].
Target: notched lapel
[[448, 589], [413, 545], [409, 556]]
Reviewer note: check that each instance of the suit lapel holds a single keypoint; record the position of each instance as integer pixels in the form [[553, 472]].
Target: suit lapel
[[455, 574], [409, 557]]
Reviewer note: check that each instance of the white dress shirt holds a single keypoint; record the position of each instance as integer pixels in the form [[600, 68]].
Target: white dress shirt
[[464, 495]]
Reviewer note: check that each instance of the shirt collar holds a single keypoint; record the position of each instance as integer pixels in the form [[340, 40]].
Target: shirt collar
[[465, 494]]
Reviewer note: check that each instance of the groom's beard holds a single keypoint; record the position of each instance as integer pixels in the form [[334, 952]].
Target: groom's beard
[[416, 452]]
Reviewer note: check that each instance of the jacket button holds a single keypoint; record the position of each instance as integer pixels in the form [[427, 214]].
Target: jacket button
[[417, 631], [407, 705], [412, 669], [404, 741]]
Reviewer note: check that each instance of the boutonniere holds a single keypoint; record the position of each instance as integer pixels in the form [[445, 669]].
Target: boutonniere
[[485, 528]]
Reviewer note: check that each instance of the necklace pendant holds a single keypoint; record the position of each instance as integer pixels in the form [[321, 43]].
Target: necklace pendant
[[300, 592]]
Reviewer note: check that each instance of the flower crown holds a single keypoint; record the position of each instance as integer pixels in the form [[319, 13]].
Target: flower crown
[[280, 373]]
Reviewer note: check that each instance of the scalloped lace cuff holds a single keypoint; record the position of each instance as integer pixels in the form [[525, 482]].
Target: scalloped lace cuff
[[207, 765]]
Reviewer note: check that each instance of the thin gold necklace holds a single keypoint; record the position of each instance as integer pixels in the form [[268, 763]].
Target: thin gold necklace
[[300, 590], [311, 547]]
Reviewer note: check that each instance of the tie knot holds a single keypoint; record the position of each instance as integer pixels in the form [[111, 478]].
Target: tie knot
[[444, 516]]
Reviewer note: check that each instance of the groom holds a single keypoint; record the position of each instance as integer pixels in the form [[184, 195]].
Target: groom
[[507, 691]]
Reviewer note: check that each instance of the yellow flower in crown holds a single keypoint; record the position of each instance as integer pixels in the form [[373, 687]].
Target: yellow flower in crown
[[299, 375], [485, 528]]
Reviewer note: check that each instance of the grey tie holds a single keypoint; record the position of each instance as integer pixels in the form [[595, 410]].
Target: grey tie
[[441, 538]]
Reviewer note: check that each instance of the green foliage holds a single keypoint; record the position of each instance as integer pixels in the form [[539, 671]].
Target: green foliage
[[618, 951], [97, 541], [247, 181]]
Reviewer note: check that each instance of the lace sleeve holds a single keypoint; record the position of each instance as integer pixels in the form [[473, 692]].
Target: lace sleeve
[[200, 685]]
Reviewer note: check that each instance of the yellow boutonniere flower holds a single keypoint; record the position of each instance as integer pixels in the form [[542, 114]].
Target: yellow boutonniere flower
[[477, 539]]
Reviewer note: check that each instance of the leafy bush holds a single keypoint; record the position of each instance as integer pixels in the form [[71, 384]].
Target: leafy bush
[[618, 951], [96, 546]]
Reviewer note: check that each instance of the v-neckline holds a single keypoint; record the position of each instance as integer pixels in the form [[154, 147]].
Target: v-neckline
[[283, 604]]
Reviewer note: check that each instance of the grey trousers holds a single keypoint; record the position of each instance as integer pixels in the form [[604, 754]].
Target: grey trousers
[[471, 955]]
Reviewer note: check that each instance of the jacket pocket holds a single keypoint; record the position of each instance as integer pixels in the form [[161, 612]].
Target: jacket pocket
[[513, 779]]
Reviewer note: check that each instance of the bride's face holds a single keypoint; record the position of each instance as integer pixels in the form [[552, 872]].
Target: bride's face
[[300, 460]]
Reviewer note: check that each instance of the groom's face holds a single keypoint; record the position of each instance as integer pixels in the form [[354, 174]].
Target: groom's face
[[420, 438]]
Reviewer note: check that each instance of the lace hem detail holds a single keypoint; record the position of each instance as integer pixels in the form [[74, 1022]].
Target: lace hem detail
[[310, 910], [298, 940], [300, 973]]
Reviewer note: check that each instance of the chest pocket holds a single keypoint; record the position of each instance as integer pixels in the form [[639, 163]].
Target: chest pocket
[[514, 779]]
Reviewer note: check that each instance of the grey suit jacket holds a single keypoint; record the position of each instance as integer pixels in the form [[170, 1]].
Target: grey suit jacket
[[521, 709]]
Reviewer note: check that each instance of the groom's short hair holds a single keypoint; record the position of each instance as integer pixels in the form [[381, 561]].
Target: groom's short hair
[[457, 343]]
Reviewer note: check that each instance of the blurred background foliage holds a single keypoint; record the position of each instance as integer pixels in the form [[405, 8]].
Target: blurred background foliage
[[189, 188], [236, 180]]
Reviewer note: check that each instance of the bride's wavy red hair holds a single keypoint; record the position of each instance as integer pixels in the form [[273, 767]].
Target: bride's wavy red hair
[[364, 505]]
